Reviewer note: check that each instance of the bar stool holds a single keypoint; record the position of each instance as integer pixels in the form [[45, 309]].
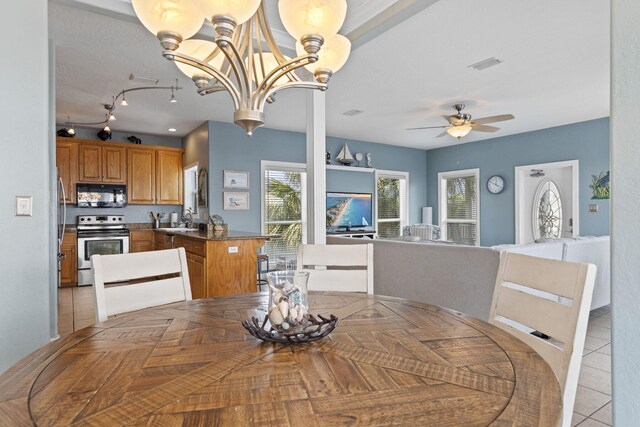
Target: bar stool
[[261, 259]]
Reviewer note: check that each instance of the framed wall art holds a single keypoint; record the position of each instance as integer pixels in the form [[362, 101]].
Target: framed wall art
[[237, 180], [235, 201]]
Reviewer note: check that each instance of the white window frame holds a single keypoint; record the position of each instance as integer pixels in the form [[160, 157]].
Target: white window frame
[[186, 187], [442, 207], [284, 166], [404, 197]]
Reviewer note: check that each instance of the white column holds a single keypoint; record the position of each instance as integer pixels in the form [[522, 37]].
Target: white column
[[625, 205], [316, 168]]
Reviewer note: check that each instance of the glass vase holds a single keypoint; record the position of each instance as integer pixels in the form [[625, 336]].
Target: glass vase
[[288, 302]]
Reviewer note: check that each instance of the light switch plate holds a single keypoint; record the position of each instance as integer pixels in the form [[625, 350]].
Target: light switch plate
[[24, 206]]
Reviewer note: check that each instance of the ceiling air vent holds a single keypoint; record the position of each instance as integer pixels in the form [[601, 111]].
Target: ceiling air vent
[[352, 112], [482, 65]]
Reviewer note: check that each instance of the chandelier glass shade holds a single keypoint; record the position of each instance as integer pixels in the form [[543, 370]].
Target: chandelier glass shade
[[459, 131], [244, 59]]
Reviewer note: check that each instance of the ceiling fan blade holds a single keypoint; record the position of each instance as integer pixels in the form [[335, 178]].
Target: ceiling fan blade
[[493, 119], [442, 134], [450, 119], [484, 128], [428, 127]]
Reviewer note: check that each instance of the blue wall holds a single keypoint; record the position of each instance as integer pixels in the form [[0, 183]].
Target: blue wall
[[230, 148], [587, 142]]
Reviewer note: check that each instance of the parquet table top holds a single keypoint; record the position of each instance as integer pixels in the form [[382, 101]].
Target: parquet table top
[[389, 361]]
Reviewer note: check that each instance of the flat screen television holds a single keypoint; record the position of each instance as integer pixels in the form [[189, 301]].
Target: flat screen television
[[349, 210]]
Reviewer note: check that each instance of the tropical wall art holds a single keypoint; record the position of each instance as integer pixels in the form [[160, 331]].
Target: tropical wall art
[[600, 186]]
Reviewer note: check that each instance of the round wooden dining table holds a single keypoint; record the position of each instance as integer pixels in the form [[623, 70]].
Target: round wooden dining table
[[388, 362]]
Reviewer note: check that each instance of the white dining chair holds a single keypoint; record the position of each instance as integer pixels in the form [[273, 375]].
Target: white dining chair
[[551, 299], [345, 268], [134, 281]]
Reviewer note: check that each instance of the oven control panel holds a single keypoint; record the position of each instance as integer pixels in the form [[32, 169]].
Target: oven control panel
[[100, 219]]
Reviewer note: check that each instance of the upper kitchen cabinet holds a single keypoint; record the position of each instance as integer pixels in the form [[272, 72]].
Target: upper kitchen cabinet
[[98, 163], [142, 176], [155, 176], [169, 177], [67, 164]]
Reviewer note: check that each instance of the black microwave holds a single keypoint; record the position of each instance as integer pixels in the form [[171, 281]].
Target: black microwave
[[101, 195]]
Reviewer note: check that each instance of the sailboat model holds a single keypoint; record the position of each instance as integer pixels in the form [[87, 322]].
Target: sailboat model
[[344, 156]]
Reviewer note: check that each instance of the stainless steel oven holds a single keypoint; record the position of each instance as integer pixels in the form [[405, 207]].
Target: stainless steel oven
[[104, 235]]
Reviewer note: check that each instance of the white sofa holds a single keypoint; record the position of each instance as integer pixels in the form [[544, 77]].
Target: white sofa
[[588, 249]]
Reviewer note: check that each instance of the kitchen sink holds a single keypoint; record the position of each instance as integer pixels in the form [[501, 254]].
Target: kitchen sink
[[177, 229]]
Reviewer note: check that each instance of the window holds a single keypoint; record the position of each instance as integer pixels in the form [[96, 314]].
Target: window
[[459, 197], [191, 189], [284, 207], [391, 201]]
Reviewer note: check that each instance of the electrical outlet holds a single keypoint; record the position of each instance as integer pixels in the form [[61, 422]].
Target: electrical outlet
[[593, 208]]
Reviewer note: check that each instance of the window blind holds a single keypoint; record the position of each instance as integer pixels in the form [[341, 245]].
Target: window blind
[[285, 196], [389, 191], [461, 209]]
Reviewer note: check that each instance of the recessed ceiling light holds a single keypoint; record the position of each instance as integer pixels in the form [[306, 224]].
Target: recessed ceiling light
[[172, 129]]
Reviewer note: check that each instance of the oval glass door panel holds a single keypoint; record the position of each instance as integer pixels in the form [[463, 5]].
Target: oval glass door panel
[[547, 211]]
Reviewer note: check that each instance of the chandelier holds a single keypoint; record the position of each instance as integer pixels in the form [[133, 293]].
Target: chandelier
[[244, 59]]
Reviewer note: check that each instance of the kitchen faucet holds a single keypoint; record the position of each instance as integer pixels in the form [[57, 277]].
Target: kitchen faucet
[[187, 217]]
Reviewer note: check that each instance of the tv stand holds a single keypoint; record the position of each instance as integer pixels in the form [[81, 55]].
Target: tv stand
[[354, 233]]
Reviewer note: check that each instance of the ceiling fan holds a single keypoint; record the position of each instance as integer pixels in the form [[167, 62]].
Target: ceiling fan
[[460, 124]]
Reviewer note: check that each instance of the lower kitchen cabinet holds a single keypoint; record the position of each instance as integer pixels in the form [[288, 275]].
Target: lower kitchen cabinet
[[197, 266], [216, 267], [69, 264], [141, 241]]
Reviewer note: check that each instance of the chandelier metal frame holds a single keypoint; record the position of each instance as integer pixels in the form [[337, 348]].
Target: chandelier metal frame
[[246, 79]]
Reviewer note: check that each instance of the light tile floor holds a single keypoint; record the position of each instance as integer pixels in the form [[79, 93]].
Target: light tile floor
[[593, 399]]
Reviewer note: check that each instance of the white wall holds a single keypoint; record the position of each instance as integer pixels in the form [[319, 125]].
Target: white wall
[[24, 118], [625, 209]]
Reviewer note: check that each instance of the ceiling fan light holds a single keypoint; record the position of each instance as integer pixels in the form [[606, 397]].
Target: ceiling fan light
[[179, 16], [323, 17], [199, 49], [332, 56], [459, 131], [240, 10]]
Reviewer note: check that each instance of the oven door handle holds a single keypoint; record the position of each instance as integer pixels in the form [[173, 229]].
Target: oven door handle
[[101, 235]]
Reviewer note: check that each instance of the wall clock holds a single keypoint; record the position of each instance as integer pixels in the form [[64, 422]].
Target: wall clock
[[495, 184]]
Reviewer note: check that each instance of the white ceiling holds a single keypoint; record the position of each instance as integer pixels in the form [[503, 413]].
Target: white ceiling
[[555, 69]]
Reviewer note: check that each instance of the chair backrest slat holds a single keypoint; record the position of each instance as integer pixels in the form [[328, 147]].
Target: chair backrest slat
[[345, 268], [138, 280], [522, 304]]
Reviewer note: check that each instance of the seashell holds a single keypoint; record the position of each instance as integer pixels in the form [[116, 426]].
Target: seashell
[[285, 326], [293, 313], [302, 311], [277, 297], [275, 317], [291, 304], [284, 308]]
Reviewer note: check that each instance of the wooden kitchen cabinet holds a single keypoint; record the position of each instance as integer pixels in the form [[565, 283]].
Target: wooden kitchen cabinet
[[141, 165], [169, 177], [69, 264], [97, 163], [197, 266], [155, 176], [67, 164], [141, 241], [219, 267]]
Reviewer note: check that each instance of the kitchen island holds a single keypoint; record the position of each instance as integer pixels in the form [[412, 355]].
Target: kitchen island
[[219, 263]]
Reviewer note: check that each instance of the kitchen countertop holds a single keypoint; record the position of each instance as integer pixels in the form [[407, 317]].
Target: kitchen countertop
[[211, 235]]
